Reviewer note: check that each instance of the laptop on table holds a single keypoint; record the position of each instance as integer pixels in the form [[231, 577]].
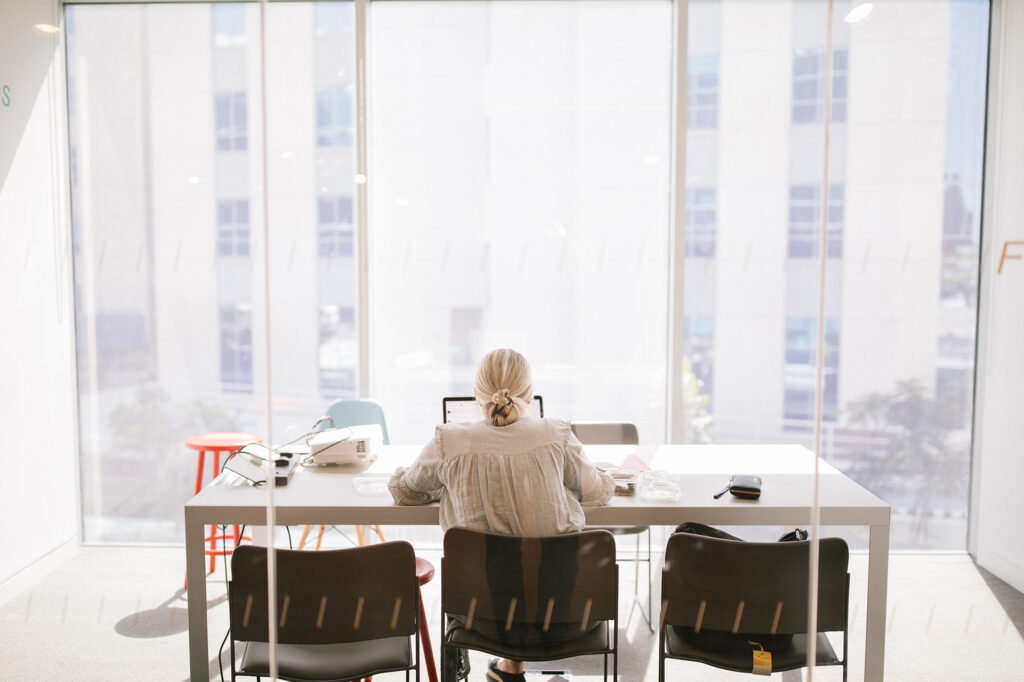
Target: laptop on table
[[463, 409]]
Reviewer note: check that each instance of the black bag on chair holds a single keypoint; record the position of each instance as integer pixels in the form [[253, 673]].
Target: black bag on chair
[[711, 532], [721, 641]]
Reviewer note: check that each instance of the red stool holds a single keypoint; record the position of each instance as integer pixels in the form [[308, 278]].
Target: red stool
[[217, 443], [424, 573]]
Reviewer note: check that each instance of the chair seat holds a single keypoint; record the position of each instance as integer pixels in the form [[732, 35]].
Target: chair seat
[[791, 656], [594, 641], [328, 661], [619, 530]]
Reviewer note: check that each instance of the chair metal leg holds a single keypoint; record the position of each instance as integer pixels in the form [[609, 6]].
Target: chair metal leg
[[661, 654], [647, 615], [447, 673], [636, 569], [615, 656], [417, 642], [232, 659], [650, 607]]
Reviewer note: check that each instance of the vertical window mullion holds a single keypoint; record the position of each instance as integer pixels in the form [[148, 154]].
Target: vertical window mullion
[[363, 294]]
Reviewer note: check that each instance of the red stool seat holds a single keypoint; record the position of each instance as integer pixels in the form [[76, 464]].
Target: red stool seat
[[424, 571], [217, 443]]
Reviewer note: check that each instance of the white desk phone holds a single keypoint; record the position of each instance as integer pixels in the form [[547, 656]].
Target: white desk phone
[[347, 445]]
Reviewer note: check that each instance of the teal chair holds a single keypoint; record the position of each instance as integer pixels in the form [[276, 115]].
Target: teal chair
[[350, 413], [355, 412]]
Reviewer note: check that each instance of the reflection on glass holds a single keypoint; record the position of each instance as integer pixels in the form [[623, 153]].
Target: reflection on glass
[[168, 229], [520, 197], [900, 288], [518, 200]]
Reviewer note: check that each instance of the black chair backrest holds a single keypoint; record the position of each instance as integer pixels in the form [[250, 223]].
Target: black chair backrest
[[606, 433], [327, 597], [558, 579], [720, 574]]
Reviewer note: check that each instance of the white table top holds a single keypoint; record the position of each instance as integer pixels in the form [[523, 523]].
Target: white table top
[[329, 495]]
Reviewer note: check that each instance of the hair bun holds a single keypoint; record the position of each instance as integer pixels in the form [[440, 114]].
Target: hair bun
[[503, 386]]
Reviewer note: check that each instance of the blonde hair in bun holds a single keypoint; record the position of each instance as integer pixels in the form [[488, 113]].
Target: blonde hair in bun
[[504, 386]]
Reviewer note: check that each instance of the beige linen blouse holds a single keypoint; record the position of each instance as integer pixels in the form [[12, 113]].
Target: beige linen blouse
[[527, 478]]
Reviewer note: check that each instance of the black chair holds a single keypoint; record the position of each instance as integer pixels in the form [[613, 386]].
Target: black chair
[[724, 599], [342, 614], [529, 599], [622, 433]]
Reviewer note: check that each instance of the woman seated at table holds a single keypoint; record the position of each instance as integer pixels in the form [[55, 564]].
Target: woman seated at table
[[509, 473]]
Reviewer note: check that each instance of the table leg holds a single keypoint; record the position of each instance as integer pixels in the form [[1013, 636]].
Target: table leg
[[260, 536], [213, 529], [878, 576], [198, 652]]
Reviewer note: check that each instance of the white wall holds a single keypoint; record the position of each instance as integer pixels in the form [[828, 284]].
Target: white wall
[[38, 455], [997, 504]]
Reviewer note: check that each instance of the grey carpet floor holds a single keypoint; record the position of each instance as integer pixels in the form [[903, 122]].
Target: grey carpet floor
[[116, 613]]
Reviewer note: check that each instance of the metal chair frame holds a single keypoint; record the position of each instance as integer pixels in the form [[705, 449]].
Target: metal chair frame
[[740, 590], [334, 604], [623, 433], [593, 596]]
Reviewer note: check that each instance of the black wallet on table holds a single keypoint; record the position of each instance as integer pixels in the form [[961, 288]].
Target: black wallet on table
[[747, 487]]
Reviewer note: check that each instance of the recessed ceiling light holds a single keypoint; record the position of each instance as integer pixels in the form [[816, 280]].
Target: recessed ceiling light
[[46, 29], [859, 13], [193, 179], [360, 179]]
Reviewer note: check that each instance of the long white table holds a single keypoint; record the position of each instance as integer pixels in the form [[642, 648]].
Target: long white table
[[327, 495]]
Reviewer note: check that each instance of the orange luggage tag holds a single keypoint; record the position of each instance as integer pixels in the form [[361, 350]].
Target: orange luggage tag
[[762, 660]]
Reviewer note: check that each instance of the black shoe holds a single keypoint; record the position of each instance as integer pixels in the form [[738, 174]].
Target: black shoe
[[495, 675]]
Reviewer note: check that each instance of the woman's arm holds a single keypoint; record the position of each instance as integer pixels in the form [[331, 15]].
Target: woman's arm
[[594, 486], [420, 483]]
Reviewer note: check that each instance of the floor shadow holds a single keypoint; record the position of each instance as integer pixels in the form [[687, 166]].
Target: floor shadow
[[163, 621], [1009, 598]]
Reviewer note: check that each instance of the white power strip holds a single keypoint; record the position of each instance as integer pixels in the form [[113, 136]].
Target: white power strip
[[241, 465]]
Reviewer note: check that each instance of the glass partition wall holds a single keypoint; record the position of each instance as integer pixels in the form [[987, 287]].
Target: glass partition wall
[[520, 160], [521, 165], [166, 151], [901, 246], [520, 191]]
